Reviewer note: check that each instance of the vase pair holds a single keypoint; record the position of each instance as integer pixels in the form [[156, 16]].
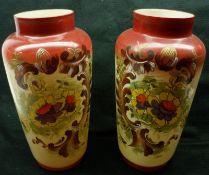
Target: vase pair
[[158, 63]]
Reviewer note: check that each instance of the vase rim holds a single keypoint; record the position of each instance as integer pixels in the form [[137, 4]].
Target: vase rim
[[44, 22], [43, 13], [164, 13], [163, 22]]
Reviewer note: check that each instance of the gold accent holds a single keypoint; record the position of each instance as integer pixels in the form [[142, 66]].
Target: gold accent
[[169, 52], [42, 54]]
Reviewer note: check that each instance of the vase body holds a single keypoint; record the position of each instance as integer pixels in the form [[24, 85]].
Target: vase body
[[48, 62], [158, 66]]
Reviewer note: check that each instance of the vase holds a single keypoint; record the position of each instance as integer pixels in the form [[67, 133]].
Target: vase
[[48, 63], [158, 64]]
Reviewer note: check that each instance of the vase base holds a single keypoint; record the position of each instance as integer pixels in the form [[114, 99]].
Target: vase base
[[142, 168], [60, 169]]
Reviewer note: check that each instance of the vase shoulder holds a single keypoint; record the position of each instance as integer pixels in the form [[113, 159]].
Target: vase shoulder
[[23, 44], [184, 45]]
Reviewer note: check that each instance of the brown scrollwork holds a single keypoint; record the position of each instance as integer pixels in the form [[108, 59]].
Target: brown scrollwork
[[20, 72], [64, 145], [141, 62]]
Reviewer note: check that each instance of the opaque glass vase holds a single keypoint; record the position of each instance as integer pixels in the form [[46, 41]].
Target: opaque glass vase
[[158, 66], [48, 62]]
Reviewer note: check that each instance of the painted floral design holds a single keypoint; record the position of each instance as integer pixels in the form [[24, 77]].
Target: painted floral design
[[140, 100], [48, 113], [161, 111], [57, 102], [166, 109], [152, 104], [50, 109], [70, 103]]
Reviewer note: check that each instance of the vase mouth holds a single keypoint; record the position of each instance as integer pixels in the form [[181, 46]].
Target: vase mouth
[[44, 13], [164, 13], [163, 23], [44, 22]]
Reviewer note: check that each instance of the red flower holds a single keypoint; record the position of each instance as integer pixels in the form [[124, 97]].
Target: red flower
[[141, 98], [168, 105], [49, 113], [70, 103], [44, 109], [70, 99]]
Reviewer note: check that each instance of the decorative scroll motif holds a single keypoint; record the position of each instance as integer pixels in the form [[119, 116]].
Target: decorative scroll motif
[[145, 103], [55, 93], [65, 145]]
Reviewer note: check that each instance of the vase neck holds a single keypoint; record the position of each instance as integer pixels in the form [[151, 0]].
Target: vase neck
[[163, 23], [44, 22]]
